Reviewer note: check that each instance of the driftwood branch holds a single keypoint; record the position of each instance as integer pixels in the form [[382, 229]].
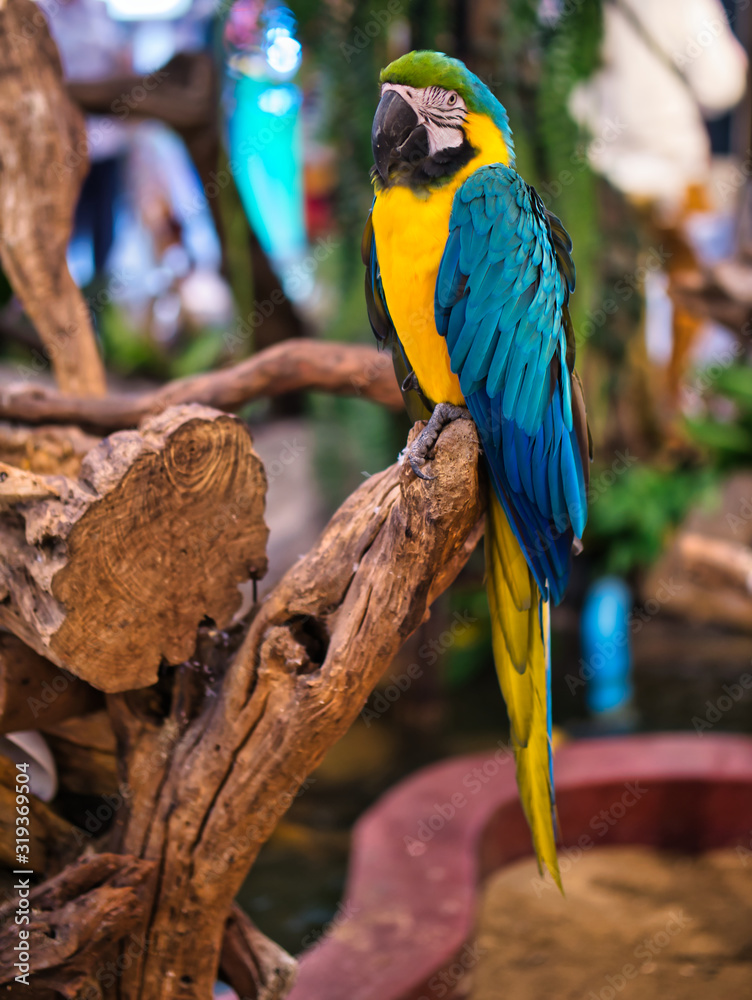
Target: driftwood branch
[[17, 486], [205, 784], [717, 559], [293, 365], [720, 294], [40, 129], [76, 921], [120, 570], [255, 967], [182, 93], [85, 752], [315, 650]]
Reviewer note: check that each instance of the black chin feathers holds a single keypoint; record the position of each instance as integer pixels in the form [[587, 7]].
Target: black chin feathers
[[421, 171]]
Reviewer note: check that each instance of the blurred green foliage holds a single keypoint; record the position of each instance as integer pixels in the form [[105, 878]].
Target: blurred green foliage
[[540, 66], [728, 443], [631, 522]]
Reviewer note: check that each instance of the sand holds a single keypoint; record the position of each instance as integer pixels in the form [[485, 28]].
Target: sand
[[636, 924]]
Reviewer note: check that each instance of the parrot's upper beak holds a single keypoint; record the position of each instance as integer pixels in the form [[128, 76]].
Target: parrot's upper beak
[[396, 135]]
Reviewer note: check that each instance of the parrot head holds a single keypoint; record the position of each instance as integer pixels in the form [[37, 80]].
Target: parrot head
[[423, 131]]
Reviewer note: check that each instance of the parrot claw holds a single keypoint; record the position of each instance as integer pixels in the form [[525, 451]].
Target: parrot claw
[[443, 414], [415, 464]]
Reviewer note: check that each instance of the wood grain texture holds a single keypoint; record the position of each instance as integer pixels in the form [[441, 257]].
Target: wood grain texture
[[155, 535], [292, 366], [44, 161]]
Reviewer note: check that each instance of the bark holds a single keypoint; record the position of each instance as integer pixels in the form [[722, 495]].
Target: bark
[[344, 369], [44, 161], [119, 571]]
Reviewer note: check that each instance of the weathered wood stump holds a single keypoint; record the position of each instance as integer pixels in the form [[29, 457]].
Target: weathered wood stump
[[315, 650], [154, 536], [257, 967], [208, 781]]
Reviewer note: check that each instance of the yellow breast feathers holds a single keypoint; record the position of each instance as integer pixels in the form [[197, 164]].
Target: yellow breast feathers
[[411, 230]]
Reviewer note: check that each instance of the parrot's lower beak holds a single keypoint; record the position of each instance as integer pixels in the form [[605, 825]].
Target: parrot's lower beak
[[396, 135]]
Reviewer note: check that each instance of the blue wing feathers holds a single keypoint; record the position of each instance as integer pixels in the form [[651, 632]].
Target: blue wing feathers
[[501, 296], [525, 463], [509, 452], [540, 479]]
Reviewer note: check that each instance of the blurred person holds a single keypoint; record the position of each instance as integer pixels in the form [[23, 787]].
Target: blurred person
[[665, 68], [142, 211], [92, 46]]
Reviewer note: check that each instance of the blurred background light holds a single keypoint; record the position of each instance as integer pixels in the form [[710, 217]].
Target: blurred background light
[[283, 53], [138, 10]]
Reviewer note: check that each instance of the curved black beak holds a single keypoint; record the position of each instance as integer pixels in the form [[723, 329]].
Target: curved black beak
[[396, 135]]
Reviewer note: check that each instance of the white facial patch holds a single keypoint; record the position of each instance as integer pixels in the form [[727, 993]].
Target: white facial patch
[[443, 112]]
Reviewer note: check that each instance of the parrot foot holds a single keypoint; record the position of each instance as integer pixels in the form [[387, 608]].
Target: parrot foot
[[443, 414]]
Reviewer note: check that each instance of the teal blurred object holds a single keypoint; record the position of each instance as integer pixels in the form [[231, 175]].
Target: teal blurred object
[[607, 660], [264, 134]]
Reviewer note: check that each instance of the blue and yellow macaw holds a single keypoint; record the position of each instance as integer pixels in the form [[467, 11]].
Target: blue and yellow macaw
[[468, 278]]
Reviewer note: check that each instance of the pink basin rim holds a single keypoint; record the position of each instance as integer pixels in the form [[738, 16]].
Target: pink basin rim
[[421, 852]]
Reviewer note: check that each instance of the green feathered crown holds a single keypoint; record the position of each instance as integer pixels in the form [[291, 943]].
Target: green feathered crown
[[434, 69]]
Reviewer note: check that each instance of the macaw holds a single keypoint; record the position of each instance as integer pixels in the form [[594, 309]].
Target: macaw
[[468, 279]]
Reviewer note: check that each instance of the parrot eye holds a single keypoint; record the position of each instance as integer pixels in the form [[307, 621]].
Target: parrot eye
[[452, 99]]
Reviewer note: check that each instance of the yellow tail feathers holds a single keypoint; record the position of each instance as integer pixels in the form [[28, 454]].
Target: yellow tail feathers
[[520, 632]]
